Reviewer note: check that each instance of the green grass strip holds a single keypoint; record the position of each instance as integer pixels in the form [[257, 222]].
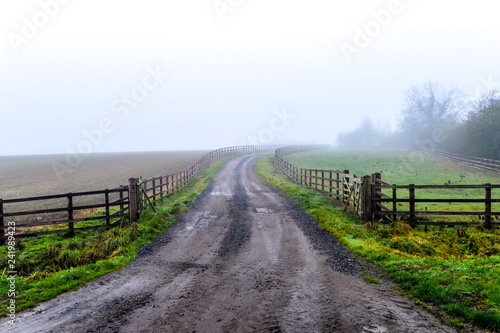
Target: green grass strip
[[455, 272]]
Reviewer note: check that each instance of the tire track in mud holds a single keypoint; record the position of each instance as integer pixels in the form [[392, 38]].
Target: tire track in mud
[[239, 230], [243, 259]]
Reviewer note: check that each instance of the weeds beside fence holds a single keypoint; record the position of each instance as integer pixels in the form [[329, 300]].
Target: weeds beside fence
[[369, 194], [124, 202]]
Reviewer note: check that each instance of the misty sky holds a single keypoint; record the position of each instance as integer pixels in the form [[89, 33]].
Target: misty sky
[[91, 76]]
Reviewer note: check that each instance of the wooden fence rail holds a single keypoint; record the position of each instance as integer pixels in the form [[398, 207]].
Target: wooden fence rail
[[130, 200], [475, 162], [376, 199], [411, 200], [64, 214]]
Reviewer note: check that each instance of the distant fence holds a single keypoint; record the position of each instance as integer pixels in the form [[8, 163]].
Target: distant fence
[[366, 194], [475, 162], [130, 200]]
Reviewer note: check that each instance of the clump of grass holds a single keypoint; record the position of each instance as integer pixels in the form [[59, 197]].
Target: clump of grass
[[455, 269], [370, 279]]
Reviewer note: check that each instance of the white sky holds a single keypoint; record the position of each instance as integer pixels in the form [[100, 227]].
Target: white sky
[[226, 76]]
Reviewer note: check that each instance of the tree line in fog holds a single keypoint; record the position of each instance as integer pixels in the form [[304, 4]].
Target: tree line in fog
[[438, 116]]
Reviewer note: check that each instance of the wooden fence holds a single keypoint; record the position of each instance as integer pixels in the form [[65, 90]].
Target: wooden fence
[[64, 214], [150, 191], [129, 200], [412, 213], [375, 199], [475, 162]]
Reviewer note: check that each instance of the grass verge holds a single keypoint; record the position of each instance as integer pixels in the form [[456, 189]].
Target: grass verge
[[53, 264], [452, 271]]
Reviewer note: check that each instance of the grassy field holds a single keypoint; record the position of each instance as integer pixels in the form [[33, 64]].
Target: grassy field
[[52, 264], [396, 168], [454, 272]]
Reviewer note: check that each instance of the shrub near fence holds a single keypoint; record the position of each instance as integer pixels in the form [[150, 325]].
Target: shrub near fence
[[130, 200], [367, 196]]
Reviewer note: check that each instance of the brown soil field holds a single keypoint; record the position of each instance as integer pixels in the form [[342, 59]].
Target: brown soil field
[[27, 176]]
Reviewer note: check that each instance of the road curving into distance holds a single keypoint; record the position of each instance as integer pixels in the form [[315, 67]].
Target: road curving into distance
[[243, 259]]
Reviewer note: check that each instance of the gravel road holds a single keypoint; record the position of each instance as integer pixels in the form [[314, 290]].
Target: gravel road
[[243, 259]]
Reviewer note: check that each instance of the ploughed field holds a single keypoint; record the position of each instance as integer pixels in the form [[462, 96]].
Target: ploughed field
[[28, 176]]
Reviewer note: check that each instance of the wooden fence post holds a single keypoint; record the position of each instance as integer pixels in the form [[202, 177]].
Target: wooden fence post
[[132, 199], [394, 203], [331, 183], [338, 185], [161, 188], [345, 188], [375, 195], [412, 202], [2, 224], [323, 180], [71, 225], [142, 192], [106, 198], [366, 197], [154, 192], [170, 180], [487, 206], [121, 200]]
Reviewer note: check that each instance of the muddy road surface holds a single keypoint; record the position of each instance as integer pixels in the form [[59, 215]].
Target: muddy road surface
[[243, 259]]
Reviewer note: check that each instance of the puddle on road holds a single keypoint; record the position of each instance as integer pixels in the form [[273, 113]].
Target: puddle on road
[[374, 329], [202, 220], [264, 210], [221, 190]]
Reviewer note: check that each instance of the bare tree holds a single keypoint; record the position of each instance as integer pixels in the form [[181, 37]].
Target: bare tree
[[429, 106]]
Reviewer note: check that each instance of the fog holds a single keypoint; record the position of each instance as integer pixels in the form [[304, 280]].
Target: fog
[[156, 75]]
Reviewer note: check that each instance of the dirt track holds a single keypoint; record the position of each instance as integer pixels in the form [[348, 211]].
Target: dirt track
[[244, 259]]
